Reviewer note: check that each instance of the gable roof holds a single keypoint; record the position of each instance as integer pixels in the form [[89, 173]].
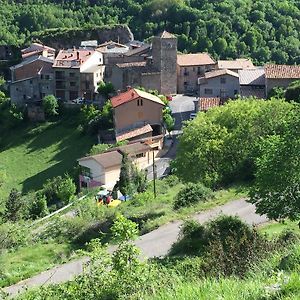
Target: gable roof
[[31, 60], [238, 64], [282, 71], [134, 133], [217, 73], [166, 35], [206, 103], [195, 59], [35, 48], [133, 94], [145, 49], [252, 76]]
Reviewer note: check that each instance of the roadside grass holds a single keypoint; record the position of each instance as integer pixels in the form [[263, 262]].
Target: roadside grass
[[274, 228], [31, 260], [34, 153]]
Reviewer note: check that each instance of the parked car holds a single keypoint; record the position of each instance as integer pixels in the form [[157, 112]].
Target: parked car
[[193, 116], [79, 100]]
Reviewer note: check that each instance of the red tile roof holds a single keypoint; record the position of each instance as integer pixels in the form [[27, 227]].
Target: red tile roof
[[207, 103], [133, 94], [282, 71], [217, 73], [134, 133], [72, 58], [238, 64], [196, 59]]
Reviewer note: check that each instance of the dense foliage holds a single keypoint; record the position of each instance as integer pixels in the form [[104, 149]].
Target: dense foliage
[[276, 190], [221, 146], [264, 30]]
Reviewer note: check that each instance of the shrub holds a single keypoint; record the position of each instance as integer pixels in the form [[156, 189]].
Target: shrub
[[37, 205], [171, 180], [191, 194], [50, 105], [98, 149]]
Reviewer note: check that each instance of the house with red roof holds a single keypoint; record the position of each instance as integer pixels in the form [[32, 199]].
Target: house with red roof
[[137, 114], [280, 75], [189, 68], [78, 73]]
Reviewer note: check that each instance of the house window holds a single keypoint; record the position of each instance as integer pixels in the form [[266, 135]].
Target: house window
[[208, 91], [140, 102], [72, 83], [185, 72], [140, 155], [24, 97], [199, 71], [42, 76], [30, 81], [17, 89], [72, 74], [235, 92], [223, 80], [47, 77], [86, 172], [185, 83]]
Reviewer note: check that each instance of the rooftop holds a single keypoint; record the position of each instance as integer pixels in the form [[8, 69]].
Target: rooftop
[[207, 103], [252, 76], [134, 133], [35, 48], [282, 71], [131, 95], [166, 35], [72, 58], [31, 60], [217, 73], [196, 59], [238, 64], [132, 64]]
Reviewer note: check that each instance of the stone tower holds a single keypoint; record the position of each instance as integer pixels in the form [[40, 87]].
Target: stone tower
[[164, 55]]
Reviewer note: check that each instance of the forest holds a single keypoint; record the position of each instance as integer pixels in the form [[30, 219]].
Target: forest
[[266, 31]]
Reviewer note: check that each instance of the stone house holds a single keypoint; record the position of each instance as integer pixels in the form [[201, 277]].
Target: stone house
[[31, 80], [223, 84], [111, 50], [77, 73], [280, 75], [137, 114], [235, 65], [104, 168], [252, 82], [36, 49], [152, 67], [189, 68]]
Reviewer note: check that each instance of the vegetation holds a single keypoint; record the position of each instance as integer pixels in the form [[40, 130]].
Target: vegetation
[[50, 105], [221, 146], [266, 31], [105, 89]]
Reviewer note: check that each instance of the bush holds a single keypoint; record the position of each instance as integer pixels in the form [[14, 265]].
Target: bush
[[50, 105], [191, 194]]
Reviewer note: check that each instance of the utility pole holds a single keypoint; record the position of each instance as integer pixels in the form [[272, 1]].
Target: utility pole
[[154, 174]]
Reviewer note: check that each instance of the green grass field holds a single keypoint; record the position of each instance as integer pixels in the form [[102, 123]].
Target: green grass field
[[32, 154], [28, 261]]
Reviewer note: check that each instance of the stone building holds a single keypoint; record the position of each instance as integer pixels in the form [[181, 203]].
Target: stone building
[[36, 49], [280, 75], [252, 82], [223, 84], [235, 65], [152, 67], [77, 73], [189, 68], [31, 80]]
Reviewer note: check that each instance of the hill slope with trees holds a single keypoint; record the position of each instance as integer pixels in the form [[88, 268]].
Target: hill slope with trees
[[264, 30]]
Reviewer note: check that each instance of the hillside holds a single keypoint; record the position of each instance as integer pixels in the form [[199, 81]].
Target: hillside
[[264, 30], [34, 153]]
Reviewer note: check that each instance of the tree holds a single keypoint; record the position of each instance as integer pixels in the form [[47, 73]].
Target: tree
[[292, 92], [50, 105], [125, 184], [169, 122], [276, 189], [105, 89], [98, 149], [15, 207], [66, 189]]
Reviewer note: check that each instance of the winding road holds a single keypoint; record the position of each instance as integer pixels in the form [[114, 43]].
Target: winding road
[[153, 244]]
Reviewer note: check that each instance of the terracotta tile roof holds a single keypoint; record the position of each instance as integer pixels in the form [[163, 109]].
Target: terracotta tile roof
[[138, 51], [206, 103], [132, 64], [133, 94], [35, 48], [248, 91], [217, 73], [238, 64], [72, 58], [134, 133], [196, 59], [134, 148], [107, 159], [252, 76], [282, 71]]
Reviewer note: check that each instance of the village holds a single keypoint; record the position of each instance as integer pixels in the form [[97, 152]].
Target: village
[[73, 77]]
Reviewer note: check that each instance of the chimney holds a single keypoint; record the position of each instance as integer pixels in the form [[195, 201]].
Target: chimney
[[77, 55], [118, 92], [128, 87]]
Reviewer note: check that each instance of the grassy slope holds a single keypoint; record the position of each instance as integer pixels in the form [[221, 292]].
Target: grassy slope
[[33, 154], [28, 261]]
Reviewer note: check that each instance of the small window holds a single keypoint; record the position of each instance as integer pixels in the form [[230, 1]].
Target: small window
[[47, 77], [208, 91], [17, 89], [223, 80], [42, 76], [235, 92], [72, 83], [72, 74], [140, 155], [140, 102], [24, 97], [30, 81], [185, 83]]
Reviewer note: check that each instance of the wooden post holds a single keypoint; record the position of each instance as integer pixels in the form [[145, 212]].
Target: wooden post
[[154, 174]]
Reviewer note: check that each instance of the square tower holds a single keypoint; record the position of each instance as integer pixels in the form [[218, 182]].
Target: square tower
[[164, 55]]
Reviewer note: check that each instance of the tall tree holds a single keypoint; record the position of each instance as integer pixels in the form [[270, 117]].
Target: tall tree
[[125, 184]]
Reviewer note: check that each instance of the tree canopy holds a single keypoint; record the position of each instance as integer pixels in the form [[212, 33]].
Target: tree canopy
[[264, 30]]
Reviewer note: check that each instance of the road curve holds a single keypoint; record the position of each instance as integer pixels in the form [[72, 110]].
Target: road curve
[[155, 243]]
